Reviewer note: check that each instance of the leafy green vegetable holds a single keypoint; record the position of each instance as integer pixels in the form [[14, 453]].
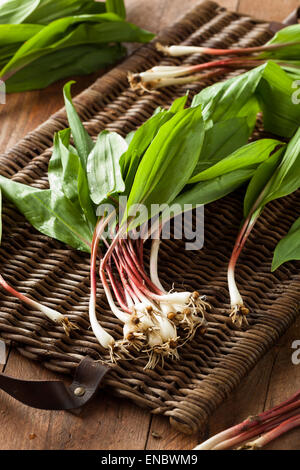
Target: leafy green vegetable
[[84, 143], [103, 170], [163, 172], [45, 11], [74, 31], [178, 104], [50, 212], [77, 60], [290, 34], [116, 6], [220, 140], [61, 38], [274, 92], [288, 249], [66, 174], [286, 178], [209, 191], [139, 143], [262, 175], [251, 154], [232, 98]]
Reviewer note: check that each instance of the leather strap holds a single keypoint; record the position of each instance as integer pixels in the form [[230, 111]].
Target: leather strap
[[290, 20], [54, 394]]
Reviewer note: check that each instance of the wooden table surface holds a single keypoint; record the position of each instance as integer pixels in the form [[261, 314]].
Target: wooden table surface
[[113, 423]]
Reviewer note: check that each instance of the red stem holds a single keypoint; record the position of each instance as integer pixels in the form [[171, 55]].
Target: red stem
[[247, 50], [284, 427], [221, 63]]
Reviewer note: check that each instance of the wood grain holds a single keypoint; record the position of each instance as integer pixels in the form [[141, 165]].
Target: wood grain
[[268, 9], [107, 422]]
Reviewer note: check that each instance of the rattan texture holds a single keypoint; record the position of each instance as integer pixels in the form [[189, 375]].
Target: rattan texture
[[189, 390]]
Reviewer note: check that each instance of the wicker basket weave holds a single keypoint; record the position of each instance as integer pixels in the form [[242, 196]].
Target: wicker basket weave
[[189, 390]]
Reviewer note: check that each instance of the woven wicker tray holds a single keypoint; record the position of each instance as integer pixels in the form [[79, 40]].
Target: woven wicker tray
[[187, 391]]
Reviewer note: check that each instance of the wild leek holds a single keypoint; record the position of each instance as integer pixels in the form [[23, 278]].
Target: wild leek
[[277, 177], [283, 49], [269, 425], [43, 41]]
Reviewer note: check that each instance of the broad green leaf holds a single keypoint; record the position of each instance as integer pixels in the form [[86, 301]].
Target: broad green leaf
[[286, 178], [278, 177], [45, 11], [55, 167], [290, 34], [262, 175], [178, 104], [221, 140], [288, 249], [50, 212], [103, 168], [72, 61], [16, 11], [85, 198], [275, 94], [116, 6], [74, 31], [83, 142], [211, 190], [17, 33], [138, 145], [169, 161], [251, 154], [65, 174], [231, 98]]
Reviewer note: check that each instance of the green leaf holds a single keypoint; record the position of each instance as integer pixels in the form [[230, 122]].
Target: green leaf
[[286, 178], [290, 34], [251, 154], [178, 104], [55, 167], [288, 249], [275, 94], [45, 11], [261, 177], [169, 161], [231, 98], [275, 178], [209, 191], [50, 212], [74, 31], [72, 61], [83, 142], [16, 11], [66, 174], [85, 198], [220, 140], [17, 33], [103, 169], [138, 145], [116, 6]]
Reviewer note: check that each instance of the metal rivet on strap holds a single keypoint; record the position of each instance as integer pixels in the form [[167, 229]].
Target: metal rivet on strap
[[79, 391]]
